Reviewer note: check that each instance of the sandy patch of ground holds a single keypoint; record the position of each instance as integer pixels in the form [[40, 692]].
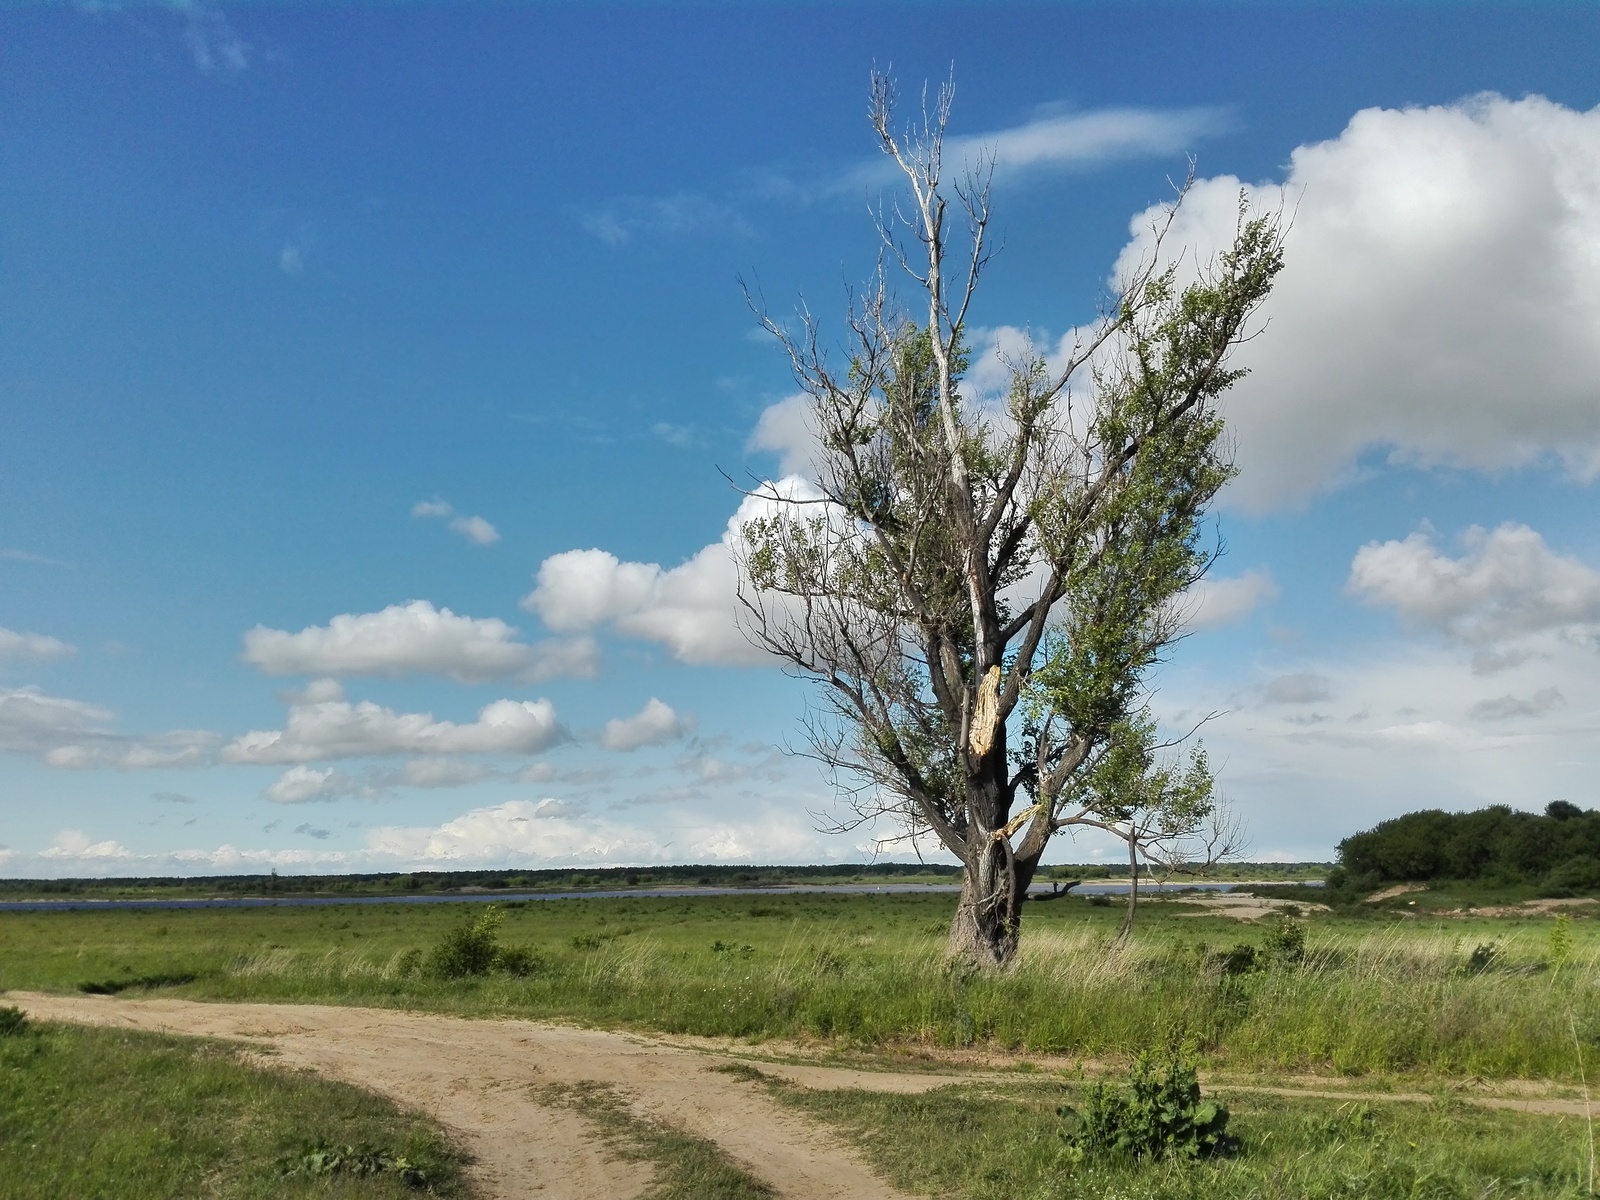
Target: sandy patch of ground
[[1241, 908], [479, 1079], [1535, 908], [1399, 889]]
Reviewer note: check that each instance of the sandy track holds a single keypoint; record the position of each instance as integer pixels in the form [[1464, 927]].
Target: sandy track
[[479, 1078]]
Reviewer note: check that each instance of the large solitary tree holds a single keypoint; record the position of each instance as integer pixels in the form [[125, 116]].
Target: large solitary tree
[[981, 583]]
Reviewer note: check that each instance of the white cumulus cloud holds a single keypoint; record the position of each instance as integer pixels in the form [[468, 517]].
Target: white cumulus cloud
[[1506, 587], [692, 608], [72, 734], [334, 729], [74, 844], [1440, 300], [518, 831], [653, 725], [31, 645], [303, 783], [439, 773], [785, 429], [299, 785], [475, 529], [1350, 736], [553, 832], [415, 638], [1213, 602]]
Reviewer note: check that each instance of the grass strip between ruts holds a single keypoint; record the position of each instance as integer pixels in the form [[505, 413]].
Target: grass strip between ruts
[[687, 1167]]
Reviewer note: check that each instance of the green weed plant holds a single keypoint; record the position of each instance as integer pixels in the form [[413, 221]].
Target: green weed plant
[[1159, 1114]]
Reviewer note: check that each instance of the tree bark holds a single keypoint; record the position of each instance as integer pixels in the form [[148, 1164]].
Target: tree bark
[[994, 880], [1133, 892], [988, 917]]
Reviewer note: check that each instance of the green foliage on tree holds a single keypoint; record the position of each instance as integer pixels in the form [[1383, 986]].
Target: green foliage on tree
[[981, 583], [1558, 851]]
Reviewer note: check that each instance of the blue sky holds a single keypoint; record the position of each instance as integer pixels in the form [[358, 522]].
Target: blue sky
[[368, 373]]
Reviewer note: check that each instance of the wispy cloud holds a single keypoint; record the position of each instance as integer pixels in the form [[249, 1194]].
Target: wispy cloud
[[682, 214], [1053, 139], [681, 437], [214, 44], [1058, 140], [28, 556], [32, 645], [477, 530]]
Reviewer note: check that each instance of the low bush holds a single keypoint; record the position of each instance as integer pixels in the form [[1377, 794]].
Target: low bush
[[1286, 941], [1159, 1114], [474, 949], [13, 1021]]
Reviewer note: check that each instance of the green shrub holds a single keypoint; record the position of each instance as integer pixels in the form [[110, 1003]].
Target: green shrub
[[1159, 1114], [1242, 959], [518, 960], [1286, 941], [1579, 876], [13, 1021], [470, 949], [473, 949]]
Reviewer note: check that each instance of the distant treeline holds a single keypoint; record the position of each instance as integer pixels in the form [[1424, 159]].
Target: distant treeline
[[559, 879], [569, 879], [1558, 851]]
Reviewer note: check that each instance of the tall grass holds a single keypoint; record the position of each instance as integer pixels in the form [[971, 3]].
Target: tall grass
[[1367, 1000]]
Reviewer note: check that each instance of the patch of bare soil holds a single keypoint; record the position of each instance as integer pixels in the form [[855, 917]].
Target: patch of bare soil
[[1528, 908], [1399, 889], [1242, 908], [478, 1078]]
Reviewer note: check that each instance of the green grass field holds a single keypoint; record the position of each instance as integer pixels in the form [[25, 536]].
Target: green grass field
[[1006, 1144], [1385, 999], [98, 1113], [1448, 997]]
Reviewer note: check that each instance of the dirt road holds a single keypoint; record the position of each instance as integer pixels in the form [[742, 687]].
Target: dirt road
[[480, 1078]]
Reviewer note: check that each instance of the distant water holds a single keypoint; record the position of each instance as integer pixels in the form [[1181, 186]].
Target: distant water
[[856, 889]]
